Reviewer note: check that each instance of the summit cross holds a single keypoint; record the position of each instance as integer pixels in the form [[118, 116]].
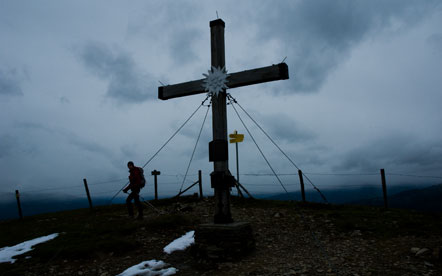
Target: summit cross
[[221, 178]]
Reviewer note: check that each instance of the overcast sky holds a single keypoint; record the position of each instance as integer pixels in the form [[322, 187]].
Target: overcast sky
[[79, 82]]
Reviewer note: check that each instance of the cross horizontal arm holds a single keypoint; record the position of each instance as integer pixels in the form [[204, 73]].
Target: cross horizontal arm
[[248, 77], [260, 75], [181, 89]]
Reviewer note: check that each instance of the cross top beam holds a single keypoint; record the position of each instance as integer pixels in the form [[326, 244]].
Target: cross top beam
[[221, 178], [217, 22]]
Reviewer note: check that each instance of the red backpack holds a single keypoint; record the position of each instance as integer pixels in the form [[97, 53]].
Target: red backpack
[[143, 180]]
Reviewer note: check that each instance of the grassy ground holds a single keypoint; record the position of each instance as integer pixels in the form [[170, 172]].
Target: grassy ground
[[377, 221], [84, 234], [87, 235]]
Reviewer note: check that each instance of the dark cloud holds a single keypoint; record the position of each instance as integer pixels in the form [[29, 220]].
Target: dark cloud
[[319, 35], [90, 146], [7, 145], [128, 152], [10, 82], [360, 160], [33, 126], [126, 82], [79, 142], [202, 152], [182, 34], [181, 46], [394, 152], [281, 127], [64, 100], [435, 41], [14, 145], [191, 133]]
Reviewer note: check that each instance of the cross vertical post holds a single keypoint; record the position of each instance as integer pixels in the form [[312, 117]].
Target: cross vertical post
[[221, 179], [219, 122]]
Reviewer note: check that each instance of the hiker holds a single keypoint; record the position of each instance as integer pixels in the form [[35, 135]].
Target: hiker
[[136, 180]]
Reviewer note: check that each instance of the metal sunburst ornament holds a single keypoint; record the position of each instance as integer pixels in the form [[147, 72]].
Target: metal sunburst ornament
[[215, 81]]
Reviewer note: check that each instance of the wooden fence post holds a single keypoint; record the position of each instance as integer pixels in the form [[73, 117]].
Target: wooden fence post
[[200, 180], [87, 193], [155, 173], [384, 188], [17, 195], [301, 180]]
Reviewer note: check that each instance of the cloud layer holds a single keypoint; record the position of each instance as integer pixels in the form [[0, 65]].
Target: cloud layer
[[400, 152], [364, 88], [126, 82], [11, 82], [320, 35]]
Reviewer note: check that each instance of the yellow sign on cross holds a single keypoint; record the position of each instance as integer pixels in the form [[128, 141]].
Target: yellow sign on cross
[[236, 138]]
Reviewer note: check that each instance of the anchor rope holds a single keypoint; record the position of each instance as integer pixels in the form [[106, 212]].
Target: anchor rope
[[300, 213], [168, 140], [265, 158], [176, 132], [279, 148], [194, 148]]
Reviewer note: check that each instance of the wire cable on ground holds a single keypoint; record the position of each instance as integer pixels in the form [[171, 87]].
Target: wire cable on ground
[[276, 145], [194, 148], [168, 140]]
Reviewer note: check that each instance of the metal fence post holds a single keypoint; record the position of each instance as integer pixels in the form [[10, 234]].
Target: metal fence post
[[87, 193], [301, 180], [384, 188], [155, 173], [200, 180], [17, 195]]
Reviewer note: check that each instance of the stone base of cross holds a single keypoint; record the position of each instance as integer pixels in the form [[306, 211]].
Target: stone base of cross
[[221, 178], [237, 241]]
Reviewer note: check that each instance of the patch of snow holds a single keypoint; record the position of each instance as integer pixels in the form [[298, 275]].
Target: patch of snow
[[148, 268], [7, 253], [180, 243], [154, 267]]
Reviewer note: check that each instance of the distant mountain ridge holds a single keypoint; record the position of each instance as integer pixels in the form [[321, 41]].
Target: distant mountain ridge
[[9, 209], [406, 197], [426, 199], [409, 197]]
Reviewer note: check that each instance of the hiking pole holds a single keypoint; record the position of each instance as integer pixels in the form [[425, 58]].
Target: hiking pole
[[153, 207], [150, 205], [110, 201]]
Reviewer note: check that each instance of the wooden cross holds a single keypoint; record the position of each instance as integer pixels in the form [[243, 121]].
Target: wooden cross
[[221, 179]]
